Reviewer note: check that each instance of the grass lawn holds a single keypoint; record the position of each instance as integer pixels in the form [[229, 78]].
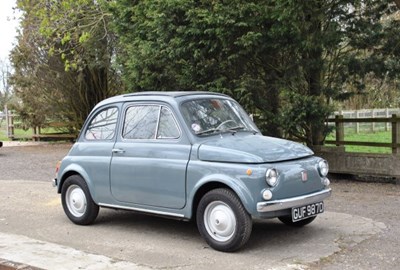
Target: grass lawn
[[23, 134], [380, 137], [19, 133]]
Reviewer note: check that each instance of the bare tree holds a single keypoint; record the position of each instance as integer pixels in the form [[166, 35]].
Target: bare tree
[[5, 88]]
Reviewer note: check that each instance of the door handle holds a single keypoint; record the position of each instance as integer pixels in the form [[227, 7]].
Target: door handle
[[118, 151]]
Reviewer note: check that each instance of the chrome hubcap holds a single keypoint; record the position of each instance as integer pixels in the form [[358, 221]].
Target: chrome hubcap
[[220, 221], [76, 201]]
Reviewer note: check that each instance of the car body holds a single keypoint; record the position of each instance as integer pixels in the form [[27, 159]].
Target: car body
[[189, 155]]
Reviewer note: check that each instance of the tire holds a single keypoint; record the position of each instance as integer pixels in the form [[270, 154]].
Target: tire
[[223, 221], [287, 220], [77, 202]]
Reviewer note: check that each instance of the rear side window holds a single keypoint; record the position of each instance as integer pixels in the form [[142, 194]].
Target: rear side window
[[103, 125]]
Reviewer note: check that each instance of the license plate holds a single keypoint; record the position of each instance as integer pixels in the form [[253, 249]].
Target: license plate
[[306, 211]]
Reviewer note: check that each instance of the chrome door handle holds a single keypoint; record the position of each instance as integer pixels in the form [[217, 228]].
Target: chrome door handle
[[118, 151]]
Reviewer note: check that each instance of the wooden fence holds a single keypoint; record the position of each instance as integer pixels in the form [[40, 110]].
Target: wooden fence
[[393, 122], [37, 135], [361, 126]]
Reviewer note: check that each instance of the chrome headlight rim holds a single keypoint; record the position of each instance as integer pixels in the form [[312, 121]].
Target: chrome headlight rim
[[271, 177], [323, 168]]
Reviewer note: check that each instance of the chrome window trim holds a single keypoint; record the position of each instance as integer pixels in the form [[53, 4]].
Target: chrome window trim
[[158, 122]]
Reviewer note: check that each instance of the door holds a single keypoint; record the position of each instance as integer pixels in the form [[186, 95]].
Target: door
[[149, 160]]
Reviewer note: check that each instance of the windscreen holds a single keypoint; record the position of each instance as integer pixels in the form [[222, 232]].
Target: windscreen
[[213, 115]]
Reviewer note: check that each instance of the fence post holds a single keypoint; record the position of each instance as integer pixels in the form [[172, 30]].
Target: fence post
[[373, 123], [387, 116], [10, 124], [339, 129], [357, 124], [395, 134]]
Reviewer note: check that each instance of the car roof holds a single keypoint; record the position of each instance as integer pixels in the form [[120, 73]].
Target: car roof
[[158, 95], [172, 93]]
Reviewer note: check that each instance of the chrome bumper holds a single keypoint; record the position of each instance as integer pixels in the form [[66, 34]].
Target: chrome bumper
[[293, 202], [54, 182]]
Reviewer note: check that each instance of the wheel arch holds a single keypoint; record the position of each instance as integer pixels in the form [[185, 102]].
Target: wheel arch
[[240, 190], [64, 177], [75, 170]]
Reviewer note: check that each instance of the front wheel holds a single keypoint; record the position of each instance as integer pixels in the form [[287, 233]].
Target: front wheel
[[77, 202], [223, 221], [287, 220]]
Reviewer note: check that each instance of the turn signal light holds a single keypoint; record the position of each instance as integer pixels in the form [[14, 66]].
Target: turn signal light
[[58, 167]]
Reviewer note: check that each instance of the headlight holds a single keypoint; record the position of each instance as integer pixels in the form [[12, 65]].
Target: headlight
[[323, 168], [271, 177]]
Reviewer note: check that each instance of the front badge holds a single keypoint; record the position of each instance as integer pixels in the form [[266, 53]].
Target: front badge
[[304, 176]]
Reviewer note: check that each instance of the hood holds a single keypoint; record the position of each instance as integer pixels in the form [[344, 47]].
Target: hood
[[249, 148]]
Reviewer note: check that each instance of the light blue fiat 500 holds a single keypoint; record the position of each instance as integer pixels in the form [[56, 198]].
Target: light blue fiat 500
[[189, 155]]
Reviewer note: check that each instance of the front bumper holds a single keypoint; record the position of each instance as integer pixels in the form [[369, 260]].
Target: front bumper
[[277, 205]]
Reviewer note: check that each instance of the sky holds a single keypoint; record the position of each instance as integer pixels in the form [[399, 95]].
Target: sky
[[8, 25]]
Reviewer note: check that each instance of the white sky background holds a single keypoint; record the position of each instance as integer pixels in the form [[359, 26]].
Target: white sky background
[[8, 26]]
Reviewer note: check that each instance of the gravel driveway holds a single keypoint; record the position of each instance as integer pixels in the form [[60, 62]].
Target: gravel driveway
[[376, 201], [380, 202], [30, 161]]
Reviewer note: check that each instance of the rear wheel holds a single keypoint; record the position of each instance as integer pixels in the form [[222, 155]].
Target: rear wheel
[[223, 221], [288, 221], [77, 202]]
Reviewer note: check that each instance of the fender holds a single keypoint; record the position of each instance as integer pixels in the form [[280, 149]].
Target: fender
[[236, 185], [76, 169]]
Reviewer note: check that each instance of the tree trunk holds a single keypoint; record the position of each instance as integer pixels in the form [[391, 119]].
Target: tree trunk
[[314, 68]]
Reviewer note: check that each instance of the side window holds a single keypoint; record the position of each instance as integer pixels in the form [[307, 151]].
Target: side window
[[167, 128], [103, 125], [141, 122]]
